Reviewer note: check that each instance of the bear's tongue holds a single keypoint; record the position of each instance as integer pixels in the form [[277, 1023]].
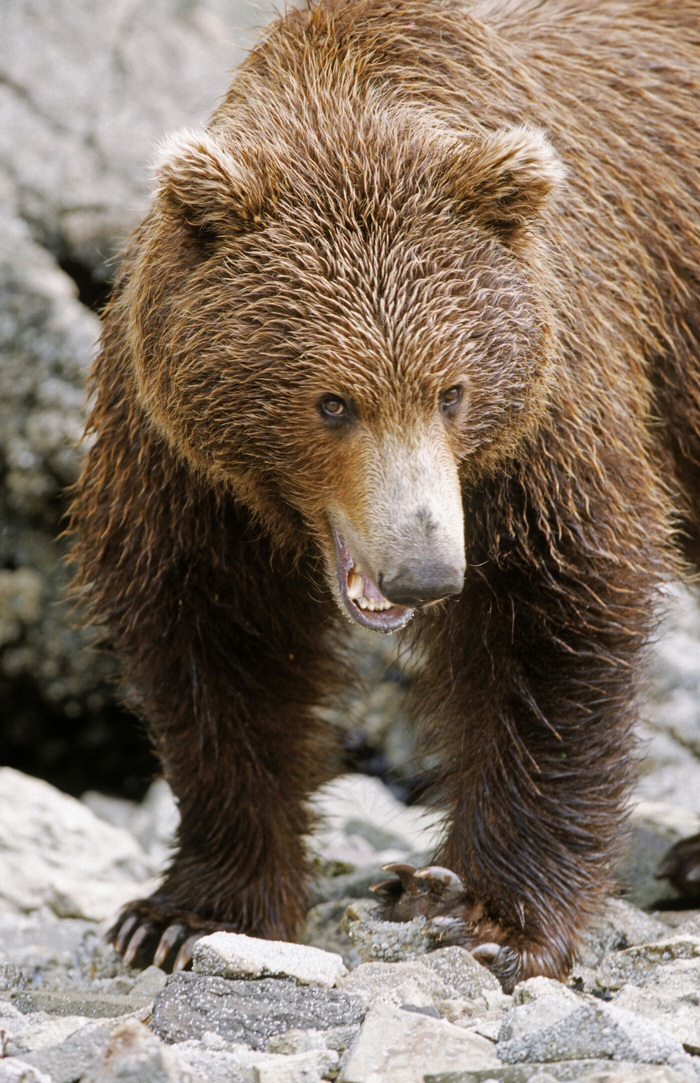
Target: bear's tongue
[[362, 597]]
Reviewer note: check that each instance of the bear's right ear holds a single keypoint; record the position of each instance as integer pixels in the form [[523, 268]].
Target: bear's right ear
[[199, 179]]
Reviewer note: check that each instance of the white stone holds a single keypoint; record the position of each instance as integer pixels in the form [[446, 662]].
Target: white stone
[[230, 955], [310, 1067], [395, 1046], [54, 852], [362, 823], [677, 822], [18, 1071]]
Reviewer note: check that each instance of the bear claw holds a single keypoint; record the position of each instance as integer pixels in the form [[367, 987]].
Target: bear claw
[[184, 955], [440, 896], [136, 941], [172, 935], [152, 932], [433, 891]]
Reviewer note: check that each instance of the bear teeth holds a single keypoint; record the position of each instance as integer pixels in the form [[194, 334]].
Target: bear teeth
[[376, 607], [356, 591], [356, 586]]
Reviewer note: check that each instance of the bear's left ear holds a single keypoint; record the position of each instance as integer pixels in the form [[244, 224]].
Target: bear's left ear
[[507, 178], [201, 181]]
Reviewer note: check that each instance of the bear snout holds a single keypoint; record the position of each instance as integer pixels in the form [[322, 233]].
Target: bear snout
[[419, 584]]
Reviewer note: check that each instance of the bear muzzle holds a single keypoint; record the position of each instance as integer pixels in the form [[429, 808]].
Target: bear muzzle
[[388, 602], [420, 584]]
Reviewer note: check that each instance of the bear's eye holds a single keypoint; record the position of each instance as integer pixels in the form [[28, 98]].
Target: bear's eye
[[450, 398], [332, 407]]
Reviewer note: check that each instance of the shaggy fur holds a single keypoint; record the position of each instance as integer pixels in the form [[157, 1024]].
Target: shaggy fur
[[396, 200]]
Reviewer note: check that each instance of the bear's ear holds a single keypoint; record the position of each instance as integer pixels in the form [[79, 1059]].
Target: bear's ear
[[197, 177], [508, 177]]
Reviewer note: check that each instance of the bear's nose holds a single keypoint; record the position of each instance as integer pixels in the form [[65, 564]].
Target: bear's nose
[[418, 585]]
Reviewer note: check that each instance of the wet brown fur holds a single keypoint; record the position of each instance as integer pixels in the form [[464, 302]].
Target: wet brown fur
[[354, 241]]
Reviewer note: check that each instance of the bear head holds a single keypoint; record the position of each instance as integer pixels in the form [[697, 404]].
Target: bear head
[[340, 313]]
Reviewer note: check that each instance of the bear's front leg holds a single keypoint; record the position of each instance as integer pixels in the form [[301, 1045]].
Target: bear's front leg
[[532, 719], [228, 684]]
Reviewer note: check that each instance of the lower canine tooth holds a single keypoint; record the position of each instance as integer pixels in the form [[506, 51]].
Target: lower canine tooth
[[355, 585]]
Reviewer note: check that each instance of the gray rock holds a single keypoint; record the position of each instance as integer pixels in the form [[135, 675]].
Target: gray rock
[[215, 1063], [77, 156], [541, 989], [674, 708], [553, 1029], [90, 1005], [410, 984], [153, 822], [622, 925], [309, 1067], [23, 1034], [323, 929], [80, 113], [592, 1071], [396, 1046], [247, 1011], [46, 340], [232, 955], [388, 941], [635, 965], [301, 1041], [461, 971], [135, 1055], [75, 1058], [670, 996], [535, 1015], [655, 826]]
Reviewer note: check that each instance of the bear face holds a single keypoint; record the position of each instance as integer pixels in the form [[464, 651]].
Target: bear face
[[366, 332]]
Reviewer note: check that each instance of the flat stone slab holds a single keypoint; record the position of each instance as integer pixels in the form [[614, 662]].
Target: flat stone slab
[[232, 955], [251, 1012], [633, 966], [670, 997], [552, 1029], [87, 1004], [397, 1046], [590, 1071]]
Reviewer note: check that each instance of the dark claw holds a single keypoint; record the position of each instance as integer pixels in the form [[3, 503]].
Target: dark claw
[[407, 877], [167, 942], [431, 892], [383, 885], [136, 941], [184, 956], [443, 883], [124, 931]]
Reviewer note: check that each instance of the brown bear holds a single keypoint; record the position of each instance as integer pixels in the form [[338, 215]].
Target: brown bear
[[411, 334]]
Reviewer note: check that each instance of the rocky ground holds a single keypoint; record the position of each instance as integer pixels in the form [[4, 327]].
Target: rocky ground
[[364, 1001]]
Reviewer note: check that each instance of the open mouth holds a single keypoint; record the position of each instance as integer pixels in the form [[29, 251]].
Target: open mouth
[[362, 597]]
